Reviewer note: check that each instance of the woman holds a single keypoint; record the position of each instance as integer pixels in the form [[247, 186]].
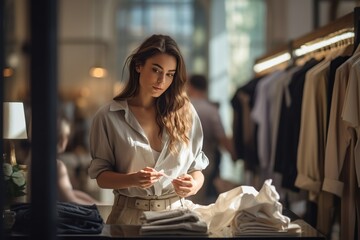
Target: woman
[[146, 144]]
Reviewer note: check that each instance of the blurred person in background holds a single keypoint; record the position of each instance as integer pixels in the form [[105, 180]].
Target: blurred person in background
[[66, 192], [215, 138]]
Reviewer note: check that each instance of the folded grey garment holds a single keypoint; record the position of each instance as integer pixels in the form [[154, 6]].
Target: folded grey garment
[[173, 233], [270, 234], [185, 228], [169, 217], [187, 217], [292, 230]]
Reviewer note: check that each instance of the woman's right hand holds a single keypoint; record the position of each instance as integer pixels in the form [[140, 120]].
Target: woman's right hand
[[146, 177]]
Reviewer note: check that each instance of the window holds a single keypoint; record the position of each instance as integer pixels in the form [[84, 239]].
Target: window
[[137, 19], [245, 23]]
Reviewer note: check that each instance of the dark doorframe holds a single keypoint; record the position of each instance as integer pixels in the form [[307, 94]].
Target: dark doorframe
[[2, 65], [43, 84]]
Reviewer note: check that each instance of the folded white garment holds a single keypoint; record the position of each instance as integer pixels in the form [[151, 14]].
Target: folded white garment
[[219, 215], [292, 230], [262, 214], [263, 208], [245, 217]]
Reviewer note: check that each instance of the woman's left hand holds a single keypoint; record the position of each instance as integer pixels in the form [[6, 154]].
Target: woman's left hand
[[185, 185]]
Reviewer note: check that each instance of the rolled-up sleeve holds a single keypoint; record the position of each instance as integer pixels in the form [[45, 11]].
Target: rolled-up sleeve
[[200, 161]]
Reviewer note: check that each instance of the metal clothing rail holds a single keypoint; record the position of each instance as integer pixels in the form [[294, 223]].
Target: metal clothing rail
[[343, 29]]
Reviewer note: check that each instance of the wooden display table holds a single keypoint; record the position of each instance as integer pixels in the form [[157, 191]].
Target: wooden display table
[[132, 231]]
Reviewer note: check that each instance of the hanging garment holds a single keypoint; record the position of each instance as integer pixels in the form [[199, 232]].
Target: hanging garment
[[339, 151], [289, 127], [280, 89], [326, 203], [337, 62], [350, 205], [244, 129], [261, 116]]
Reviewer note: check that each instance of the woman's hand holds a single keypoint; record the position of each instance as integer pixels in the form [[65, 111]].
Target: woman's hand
[[186, 185], [146, 177]]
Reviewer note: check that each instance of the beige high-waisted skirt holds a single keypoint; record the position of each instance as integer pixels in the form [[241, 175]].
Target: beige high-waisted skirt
[[128, 210]]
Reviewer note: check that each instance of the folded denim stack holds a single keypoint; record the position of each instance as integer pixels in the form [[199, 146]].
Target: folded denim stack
[[261, 214], [72, 218], [76, 218], [172, 222]]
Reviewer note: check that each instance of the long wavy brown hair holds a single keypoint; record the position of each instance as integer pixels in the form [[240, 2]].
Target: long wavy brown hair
[[173, 112]]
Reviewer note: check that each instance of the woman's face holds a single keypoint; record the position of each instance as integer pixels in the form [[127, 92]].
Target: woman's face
[[157, 74]]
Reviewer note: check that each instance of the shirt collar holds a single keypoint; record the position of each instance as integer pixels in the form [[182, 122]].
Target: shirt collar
[[117, 105], [122, 105]]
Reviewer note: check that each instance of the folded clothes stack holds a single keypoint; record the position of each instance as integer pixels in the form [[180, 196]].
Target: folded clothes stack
[[72, 218], [172, 222], [261, 214]]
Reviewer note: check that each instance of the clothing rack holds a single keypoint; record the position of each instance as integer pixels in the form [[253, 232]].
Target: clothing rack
[[344, 28]]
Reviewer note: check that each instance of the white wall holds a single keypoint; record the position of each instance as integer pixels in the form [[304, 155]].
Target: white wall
[[299, 18], [286, 20], [86, 38]]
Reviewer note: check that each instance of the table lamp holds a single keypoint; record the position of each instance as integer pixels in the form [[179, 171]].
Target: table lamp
[[14, 125]]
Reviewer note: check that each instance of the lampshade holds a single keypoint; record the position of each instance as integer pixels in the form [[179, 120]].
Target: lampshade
[[14, 121]]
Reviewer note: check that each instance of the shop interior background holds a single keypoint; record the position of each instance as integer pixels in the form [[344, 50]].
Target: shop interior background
[[219, 38]]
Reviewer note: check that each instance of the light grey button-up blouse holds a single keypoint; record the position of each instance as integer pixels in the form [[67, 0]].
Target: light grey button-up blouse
[[118, 143]]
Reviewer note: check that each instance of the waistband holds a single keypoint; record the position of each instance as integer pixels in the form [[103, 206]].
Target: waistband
[[146, 204]]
